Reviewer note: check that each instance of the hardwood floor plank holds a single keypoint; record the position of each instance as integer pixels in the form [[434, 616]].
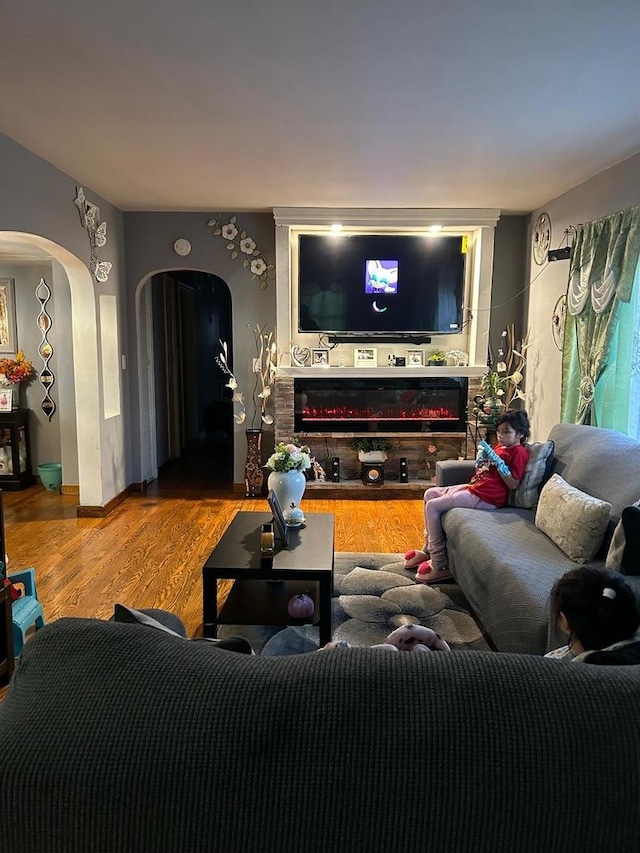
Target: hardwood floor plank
[[149, 552]]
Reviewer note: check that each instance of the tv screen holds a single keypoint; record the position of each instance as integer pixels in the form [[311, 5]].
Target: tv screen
[[377, 283]]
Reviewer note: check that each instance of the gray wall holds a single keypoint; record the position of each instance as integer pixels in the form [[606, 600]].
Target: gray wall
[[37, 199], [508, 302], [614, 189], [149, 250]]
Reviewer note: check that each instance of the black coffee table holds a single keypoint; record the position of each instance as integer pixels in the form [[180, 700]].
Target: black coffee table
[[260, 592]]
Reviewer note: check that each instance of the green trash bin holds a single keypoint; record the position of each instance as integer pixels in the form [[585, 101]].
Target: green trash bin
[[50, 474]]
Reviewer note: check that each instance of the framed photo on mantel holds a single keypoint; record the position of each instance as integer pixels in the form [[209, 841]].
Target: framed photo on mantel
[[365, 357]]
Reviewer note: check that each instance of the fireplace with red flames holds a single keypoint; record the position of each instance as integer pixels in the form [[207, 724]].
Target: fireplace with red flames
[[389, 405]]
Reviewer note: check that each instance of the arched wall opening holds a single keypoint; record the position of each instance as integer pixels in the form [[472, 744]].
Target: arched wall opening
[[86, 380], [185, 412]]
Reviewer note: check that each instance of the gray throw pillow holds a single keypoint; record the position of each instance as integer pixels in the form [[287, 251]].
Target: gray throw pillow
[[575, 521], [535, 476], [624, 551]]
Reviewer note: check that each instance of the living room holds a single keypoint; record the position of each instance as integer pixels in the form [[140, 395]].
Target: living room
[[173, 134]]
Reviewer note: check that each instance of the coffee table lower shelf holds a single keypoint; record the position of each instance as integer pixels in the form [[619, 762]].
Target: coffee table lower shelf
[[258, 602]]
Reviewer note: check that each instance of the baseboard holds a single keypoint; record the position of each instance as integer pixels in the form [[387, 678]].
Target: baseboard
[[70, 490], [102, 511]]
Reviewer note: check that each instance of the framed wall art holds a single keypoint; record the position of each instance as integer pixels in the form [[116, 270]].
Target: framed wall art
[[6, 399], [365, 357], [8, 330]]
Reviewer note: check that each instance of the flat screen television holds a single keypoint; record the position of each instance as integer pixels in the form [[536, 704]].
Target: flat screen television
[[381, 285]]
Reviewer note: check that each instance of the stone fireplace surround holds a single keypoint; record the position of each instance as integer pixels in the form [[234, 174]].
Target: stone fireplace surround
[[413, 446]]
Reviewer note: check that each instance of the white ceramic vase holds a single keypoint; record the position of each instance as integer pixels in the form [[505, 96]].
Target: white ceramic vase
[[289, 488]]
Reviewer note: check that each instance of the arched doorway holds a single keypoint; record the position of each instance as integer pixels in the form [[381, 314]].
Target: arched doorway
[[83, 327], [186, 414]]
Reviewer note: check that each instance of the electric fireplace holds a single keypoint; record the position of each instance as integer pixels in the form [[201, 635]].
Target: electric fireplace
[[391, 405]]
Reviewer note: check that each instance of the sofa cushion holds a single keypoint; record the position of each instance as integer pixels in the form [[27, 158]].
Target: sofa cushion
[[575, 521], [537, 470]]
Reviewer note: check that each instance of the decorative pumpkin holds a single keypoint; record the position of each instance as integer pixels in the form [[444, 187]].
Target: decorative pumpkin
[[301, 606]]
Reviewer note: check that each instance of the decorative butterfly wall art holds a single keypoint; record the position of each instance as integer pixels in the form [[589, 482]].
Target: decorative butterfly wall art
[[97, 231]]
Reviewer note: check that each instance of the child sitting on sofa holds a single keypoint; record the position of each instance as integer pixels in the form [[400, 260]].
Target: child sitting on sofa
[[599, 612], [499, 469]]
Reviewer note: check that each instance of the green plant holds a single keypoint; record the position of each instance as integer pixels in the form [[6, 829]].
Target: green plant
[[437, 355], [368, 444]]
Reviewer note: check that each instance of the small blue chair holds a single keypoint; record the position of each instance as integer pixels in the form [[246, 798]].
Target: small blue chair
[[26, 610]]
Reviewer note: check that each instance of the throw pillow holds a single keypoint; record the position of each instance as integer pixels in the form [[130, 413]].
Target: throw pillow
[[575, 521], [624, 550], [121, 613], [528, 492]]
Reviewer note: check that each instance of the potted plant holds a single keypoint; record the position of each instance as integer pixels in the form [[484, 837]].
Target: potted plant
[[371, 449], [437, 358]]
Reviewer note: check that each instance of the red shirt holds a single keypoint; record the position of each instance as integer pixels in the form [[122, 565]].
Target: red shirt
[[488, 485]]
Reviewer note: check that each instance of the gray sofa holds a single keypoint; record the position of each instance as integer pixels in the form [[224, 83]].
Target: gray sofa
[[506, 566], [120, 738]]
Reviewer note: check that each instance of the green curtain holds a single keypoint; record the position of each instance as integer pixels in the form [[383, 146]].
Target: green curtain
[[604, 261]]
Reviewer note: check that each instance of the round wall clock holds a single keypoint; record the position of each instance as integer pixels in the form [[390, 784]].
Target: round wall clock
[[541, 240], [182, 247]]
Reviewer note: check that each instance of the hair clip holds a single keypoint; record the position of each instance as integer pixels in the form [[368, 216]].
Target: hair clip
[[607, 592]]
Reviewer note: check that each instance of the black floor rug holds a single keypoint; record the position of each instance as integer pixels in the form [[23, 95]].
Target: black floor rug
[[373, 594]]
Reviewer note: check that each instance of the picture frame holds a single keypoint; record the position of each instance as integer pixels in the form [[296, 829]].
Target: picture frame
[[6, 399], [415, 358], [365, 357], [280, 525], [8, 327], [319, 357]]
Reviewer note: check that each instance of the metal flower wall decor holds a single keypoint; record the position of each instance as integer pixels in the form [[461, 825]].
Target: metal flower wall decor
[[97, 231], [240, 245]]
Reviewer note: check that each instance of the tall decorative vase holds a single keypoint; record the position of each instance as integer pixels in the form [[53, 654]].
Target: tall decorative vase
[[253, 473], [289, 488]]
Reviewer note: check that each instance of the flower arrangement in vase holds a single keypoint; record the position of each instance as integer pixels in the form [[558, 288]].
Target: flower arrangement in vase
[[501, 384], [288, 462], [16, 370]]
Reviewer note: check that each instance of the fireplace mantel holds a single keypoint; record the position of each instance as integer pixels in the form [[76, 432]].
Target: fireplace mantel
[[378, 372]]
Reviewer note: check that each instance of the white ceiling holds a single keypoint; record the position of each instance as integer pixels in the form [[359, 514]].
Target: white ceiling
[[248, 105]]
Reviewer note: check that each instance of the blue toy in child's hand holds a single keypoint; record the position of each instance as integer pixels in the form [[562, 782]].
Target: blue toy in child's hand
[[481, 456], [500, 464]]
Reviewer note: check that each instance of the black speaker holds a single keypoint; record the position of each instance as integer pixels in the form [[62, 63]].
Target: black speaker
[[372, 475], [335, 469], [404, 470]]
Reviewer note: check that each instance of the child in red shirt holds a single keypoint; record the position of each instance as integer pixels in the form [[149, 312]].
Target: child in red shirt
[[499, 469]]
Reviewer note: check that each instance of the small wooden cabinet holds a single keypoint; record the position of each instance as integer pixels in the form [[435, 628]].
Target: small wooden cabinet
[[15, 451]]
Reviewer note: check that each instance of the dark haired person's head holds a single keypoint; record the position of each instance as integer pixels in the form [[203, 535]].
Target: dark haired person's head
[[598, 606], [518, 421]]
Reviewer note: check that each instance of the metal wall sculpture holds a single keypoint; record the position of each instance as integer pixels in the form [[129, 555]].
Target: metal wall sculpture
[[43, 294]]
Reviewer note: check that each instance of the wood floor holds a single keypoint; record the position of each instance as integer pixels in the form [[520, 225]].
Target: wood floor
[[149, 552]]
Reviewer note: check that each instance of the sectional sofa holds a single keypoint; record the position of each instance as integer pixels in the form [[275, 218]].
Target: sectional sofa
[[506, 565]]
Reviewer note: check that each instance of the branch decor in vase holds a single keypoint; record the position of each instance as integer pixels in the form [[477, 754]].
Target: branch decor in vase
[[264, 368]]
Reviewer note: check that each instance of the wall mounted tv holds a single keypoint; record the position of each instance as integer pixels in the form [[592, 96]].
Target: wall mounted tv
[[387, 286]]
